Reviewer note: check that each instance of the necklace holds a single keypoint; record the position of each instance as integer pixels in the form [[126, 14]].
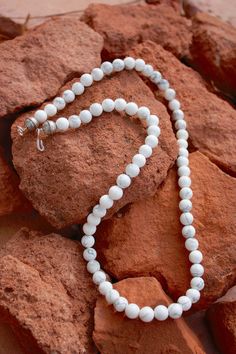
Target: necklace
[[123, 181]]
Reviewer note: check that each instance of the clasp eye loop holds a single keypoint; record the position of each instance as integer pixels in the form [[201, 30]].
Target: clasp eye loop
[[39, 141]]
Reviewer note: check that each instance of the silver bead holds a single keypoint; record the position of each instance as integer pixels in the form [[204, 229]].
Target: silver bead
[[31, 123], [49, 127]]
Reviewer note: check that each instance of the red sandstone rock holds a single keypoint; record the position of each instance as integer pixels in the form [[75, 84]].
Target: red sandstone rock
[[213, 51], [145, 238], [46, 293], [211, 120], [34, 66], [116, 334], [222, 319], [77, 167], [124, 26], [11, 199]]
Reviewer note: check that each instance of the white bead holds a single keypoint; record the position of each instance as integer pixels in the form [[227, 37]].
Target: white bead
[[40, 116], [104, 287], [178, 114], [197, 270], [182, 161], [186, 218], [145, 150], [78, 88], [175, 310], [188, 231], [193, 294], [183, 152], [68, 96], [185, 302], [99, 211], [148, 70], [120, 304], [146, 314], [197, 283], [184, 181], [156, 77], [182, 134], [195, 257], [185, 205], [85, 116], [174, 105], [59, 102], [182, 143], [131, 108], [89, 229], [96, 109], [89, 254], [108, 105], [93, 219], [129, 63], [139, 64], [99, 277], [191, 244], [62, 124], [74, 121], [152, 120], [153, 130], [143, 113], [107, 67], [161, 312], [115, 193], [163, 85], [151, 140], [132, 170], [184, 171], [118, 65], [139, 160], [123, 181], [169, 94], [132, 311], [93, 266], [87, 241], [120, 104], [97, 74], [186, 193], [106, 202], [180, 124], [112, 296], [50, 109], [86, 80]]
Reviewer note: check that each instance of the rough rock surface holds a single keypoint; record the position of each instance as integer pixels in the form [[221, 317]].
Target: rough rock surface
[[145, 238], [116, 334], [77, 167], [11, 198], [222, 319], [213, 51], [124, 26], [46, 293], [34, 66], [211, 120]]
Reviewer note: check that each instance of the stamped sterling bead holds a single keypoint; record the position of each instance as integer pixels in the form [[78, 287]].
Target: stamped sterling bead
[[49, 127]]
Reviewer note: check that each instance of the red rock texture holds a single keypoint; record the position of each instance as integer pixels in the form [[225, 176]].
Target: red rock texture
[[122, 27], [116, 334], [145, 238], [46, 294], [77, 167], [38, 63], [213, 51], [211, 120], [222, 320], [11, 198]]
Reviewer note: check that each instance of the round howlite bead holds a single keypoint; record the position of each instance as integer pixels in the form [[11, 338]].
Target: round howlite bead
[[132, 311], [131, 108], [193, 294], [161, 312], [99, 211], [175, 311], [74, 121], [62, 124], [40, 116], [107, 67], [68, 96], [123, 181], [186, 218], [86, 80], [191, 244], [59, 102], [148, 70], [174, 105], [182, 143], [93, 266], [89, 229], [108, 105], [132, 170], [184, 171], [169, 94], [104, 287], [50, 109], [188, 231], [146, 314], [139, 65], [195, 256], [151, 140], [97, 74], [178, 114], [185, 205], [143, 113], [183, 152], [153, 130], [152, 120], [185, 302], [120, 304], [87, 241], [145, 150], [197, 270], [99, 277], [182, 161], [186, 193], [118, 65], [78, 88], [163, 85], [89, 254], [85, 116], [120, 104], [115, 193], [182, 134], [180, 124], [106, 202], [129, 63], [139, 160], [156, 77], [93, 219], [197, 283], [112, 296], [96, 109]]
